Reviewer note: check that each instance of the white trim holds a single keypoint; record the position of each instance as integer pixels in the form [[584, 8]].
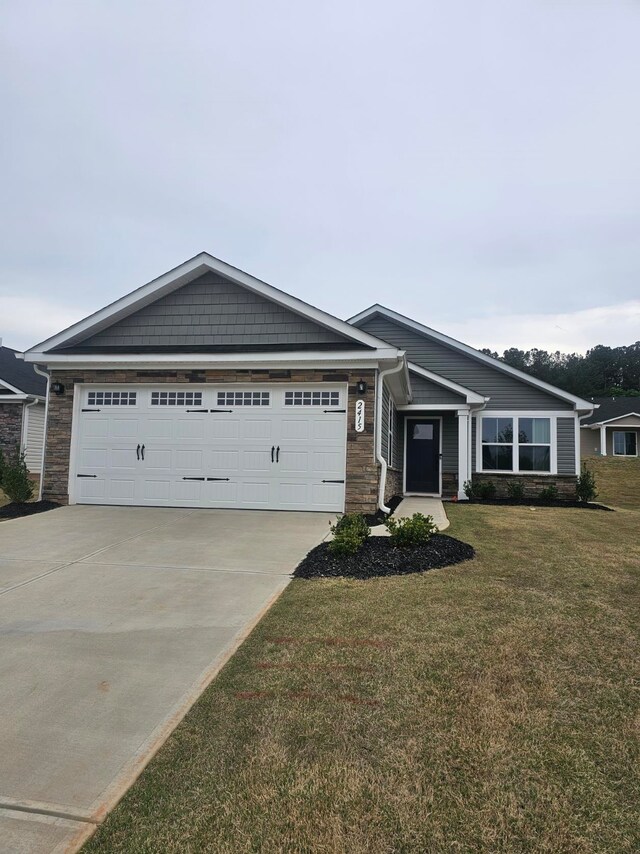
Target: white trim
[[613, 442], [432, 407], [391, 430], [182, 275], [464, 458], [578, 402], [471, 396], [577, 446], [14, 398], [349, 358], [377, 429], [603, 440], [425, 417], [596, 424], [553, 443]]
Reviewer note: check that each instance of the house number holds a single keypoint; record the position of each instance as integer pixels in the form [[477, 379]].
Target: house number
[[359, 416]]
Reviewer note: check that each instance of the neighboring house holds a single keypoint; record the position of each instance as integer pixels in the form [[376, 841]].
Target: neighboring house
[[209, 388], [613, 429], [22, 409]]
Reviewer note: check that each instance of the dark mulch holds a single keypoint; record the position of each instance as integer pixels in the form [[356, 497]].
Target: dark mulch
[[378, 517], [15, 510], [537, 502], [379, 557]]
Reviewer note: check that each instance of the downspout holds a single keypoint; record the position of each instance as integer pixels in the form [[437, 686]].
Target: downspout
[[46, 427], [379, 457]]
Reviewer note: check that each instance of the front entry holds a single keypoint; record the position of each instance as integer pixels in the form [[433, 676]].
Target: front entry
[[423, 455]]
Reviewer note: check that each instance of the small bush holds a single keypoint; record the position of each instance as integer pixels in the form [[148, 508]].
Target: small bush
[[349, 534], [515, 490], [549, 493], [469, 489], [15, 480], [485, 489], [586, 485], [412, 531]]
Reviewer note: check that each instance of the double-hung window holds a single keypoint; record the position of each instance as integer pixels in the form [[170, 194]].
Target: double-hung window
[[625, 443], [513, 444]]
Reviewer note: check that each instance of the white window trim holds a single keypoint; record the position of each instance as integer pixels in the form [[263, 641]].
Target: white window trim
[[553, 427], [391, 433], [613, 443]]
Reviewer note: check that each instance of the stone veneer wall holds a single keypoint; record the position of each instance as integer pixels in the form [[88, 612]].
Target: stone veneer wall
[[566, 483], [10, 427], [362, 469], [393, 486]]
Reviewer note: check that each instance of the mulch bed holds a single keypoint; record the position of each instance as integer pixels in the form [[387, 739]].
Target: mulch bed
[[536, 502], [15, 510], [378, 517], [378, 557]]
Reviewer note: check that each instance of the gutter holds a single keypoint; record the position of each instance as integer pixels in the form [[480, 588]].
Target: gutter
[[383, 463]]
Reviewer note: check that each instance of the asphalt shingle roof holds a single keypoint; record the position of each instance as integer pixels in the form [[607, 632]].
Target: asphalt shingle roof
[[19, 374], [612, 407]]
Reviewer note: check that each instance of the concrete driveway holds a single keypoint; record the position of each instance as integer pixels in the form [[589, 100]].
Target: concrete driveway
[[112, 622]]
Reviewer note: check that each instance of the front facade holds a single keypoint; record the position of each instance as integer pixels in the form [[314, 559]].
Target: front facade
[[613, 429], [22, 410], [209, 388]]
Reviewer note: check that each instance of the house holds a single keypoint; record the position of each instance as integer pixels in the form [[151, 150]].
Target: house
[[209, 388], [22, 409], [613, 429]]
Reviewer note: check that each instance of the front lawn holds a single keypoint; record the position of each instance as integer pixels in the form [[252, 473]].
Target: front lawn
[[618, 480], [487, 707]]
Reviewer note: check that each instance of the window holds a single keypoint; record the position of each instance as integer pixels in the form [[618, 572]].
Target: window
[[312, 398], [625, 443], [528, 450], [243, 398], [176, 398], [497, 444], [111, 398], [534, 444]]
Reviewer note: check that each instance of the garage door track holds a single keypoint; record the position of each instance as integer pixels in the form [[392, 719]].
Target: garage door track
[[113, 620]]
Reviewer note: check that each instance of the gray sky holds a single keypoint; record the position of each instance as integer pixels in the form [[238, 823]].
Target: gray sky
[[472, 165]]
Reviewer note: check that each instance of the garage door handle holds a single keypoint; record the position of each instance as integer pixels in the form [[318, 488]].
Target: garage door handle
[[273, 448], [278, 454], [138, 452], [142, 452]]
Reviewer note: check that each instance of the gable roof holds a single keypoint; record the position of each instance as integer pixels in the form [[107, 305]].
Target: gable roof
[[183, 275], [469, 395], [18, 378], [611, 409], [377, 309]]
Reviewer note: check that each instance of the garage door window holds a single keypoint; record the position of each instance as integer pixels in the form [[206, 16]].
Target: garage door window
[[111, 398], [176, 398], [312, 398], [243, 398]]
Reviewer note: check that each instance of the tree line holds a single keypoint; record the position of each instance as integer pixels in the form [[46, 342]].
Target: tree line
[[601, 372]]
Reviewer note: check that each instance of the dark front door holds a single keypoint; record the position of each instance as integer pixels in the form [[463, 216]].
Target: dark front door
[[423, 455]]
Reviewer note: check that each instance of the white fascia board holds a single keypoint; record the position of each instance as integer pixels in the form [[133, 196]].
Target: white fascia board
[[438, 379], [348, 358], [182, 275], [578, 403], [13, 398], [434, 407]]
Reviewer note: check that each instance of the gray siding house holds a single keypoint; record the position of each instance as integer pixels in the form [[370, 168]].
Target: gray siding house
[[22, 409], [209, 388], [613, 429]]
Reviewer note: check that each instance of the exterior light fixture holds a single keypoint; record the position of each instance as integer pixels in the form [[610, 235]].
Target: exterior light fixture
[[361, 387], [57, 388]]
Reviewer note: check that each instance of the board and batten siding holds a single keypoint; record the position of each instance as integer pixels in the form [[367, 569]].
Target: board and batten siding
[[33, 438], [425, 391], [505, 390], [213, 311]]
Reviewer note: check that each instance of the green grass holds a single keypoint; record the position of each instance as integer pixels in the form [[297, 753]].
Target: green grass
[[488, 707], [618, 480]]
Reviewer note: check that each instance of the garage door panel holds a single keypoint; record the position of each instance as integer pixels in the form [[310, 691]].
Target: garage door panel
[[222, 494], [187, 428], [122, 489], [92, 488], [157, 490], [91, 458], [189, 459], [96, 428], [325, 496], [255, 493], [159, 428], [219, 462], [293, 429], [328, 463], [254, 428], [158, 459], [329, 429], [224, 429]]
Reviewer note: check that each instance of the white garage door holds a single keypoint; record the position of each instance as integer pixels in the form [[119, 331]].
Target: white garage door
[[268, 447]]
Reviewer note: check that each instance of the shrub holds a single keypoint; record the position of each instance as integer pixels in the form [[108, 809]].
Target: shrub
[[349, 534], [15, 480], [549, 493], [469, 489], [515, 490], [485, 489], [586, 485], [412, 531]]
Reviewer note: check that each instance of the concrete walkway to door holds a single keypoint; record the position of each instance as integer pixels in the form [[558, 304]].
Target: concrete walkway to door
[[112, 622]]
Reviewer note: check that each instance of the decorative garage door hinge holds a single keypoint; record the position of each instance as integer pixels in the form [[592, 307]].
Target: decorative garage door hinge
[[333, 410], [86, 475], [189, 478], [194, 478], [197, 410], [220, 410], [218, 478], [333, 481], [91, 410]]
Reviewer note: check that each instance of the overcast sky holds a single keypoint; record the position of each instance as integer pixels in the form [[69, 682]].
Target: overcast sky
[[474, 165]]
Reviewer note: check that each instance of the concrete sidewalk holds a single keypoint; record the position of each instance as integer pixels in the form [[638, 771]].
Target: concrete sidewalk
[[408, 506], [112, 622]]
